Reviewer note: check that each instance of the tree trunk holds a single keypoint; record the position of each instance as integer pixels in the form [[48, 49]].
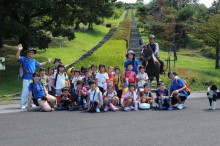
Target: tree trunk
[[1, 42], [217, 58], [90, 26], [77, 26]]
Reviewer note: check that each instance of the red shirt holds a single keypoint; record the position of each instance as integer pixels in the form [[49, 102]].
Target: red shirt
[[131, 76], [111, 78], [61, 96]]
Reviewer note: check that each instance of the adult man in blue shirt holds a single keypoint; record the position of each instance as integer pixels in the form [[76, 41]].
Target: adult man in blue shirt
[[29, 67], [178, 89]]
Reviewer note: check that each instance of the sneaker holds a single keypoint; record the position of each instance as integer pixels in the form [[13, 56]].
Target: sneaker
[[127, 109], [170, 108], [80, 108], [97, 110], [112, 107], [131, 107], [106, 109], [153, 106], [23, 108], [70, 108], [180, 106], [60, 108], [33, 105]]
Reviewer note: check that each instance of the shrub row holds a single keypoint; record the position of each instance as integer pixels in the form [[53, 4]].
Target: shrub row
[[124, 30]]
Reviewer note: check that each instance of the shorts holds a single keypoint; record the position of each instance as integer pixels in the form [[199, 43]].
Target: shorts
[[181, 96]]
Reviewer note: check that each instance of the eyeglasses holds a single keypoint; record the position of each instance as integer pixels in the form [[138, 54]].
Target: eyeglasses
[[31, 52]]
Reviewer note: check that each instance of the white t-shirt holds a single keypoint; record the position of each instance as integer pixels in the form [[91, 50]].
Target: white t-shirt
[[142, 82], [91, 94], [110, 95], [102, 79], [75, 79], [60, 83]]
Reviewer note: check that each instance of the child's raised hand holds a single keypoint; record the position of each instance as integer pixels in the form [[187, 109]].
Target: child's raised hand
[[20, 47]]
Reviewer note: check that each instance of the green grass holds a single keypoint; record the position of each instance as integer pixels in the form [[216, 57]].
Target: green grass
[[112, 53], [198, 71], [70, 51]]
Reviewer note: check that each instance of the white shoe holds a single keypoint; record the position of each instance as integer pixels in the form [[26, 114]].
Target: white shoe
[[180, 106], [33, 105], [131, 107], [23, 108]]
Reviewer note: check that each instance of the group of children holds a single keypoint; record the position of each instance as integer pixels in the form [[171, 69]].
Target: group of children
[[96, 90]]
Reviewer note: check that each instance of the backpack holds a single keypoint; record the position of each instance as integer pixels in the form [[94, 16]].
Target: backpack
[[33, 95], [188, 90]]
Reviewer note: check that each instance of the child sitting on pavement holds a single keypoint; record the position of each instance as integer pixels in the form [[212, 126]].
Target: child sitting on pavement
[[110, 98], [65, 100], [163, 100]]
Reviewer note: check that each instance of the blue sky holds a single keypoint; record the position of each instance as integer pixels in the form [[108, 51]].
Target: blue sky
[[206, 2]]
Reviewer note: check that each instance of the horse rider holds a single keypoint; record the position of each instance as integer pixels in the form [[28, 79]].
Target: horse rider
[[155, 48]]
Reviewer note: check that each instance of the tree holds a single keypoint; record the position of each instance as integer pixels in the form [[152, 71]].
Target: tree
[[209, 32], [140, 2], [29, 21]]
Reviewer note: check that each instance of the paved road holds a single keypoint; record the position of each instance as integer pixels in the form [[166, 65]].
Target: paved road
[[195, 125]]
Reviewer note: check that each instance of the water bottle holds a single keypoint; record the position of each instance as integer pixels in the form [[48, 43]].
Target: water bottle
[[127, 81], [160, 104], [162, 100]]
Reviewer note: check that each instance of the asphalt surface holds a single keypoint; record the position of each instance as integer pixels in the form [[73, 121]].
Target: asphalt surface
[[194, 125]]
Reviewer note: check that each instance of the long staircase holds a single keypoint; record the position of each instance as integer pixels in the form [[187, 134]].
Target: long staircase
[[134, 45]]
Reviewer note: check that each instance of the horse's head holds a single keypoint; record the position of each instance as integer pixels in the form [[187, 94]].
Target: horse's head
[[147, 53]]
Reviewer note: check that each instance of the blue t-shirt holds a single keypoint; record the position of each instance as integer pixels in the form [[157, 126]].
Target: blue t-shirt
[[38, 90], [29, 65], [174, 86], [136, 63], [164, 92]]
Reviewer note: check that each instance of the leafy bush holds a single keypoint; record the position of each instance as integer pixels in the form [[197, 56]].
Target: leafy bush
[[124, 30]]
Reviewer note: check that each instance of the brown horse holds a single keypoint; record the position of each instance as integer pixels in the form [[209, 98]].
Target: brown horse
[[150, 63]]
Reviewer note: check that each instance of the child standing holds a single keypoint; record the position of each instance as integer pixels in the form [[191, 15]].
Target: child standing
[[110, 98], [56, 62], [86, 80], [43, 77], [146, 96], [118, 83], [141, 78], [81, 94], [76, 77], [83, 71], [94, 98], [163, 100], [93, 71], [50, 80], [65, 100], [129, 76], [102, 79], [61, 80], [110, 75], [129, 98], [212, 94]]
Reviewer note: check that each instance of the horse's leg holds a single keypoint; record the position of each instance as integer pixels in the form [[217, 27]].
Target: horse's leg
[[158, 78]]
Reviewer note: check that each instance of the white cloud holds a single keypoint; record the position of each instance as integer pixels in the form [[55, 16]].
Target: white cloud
[[208, 3]]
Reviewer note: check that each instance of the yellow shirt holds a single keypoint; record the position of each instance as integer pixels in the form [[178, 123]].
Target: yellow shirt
[[118, 81]]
